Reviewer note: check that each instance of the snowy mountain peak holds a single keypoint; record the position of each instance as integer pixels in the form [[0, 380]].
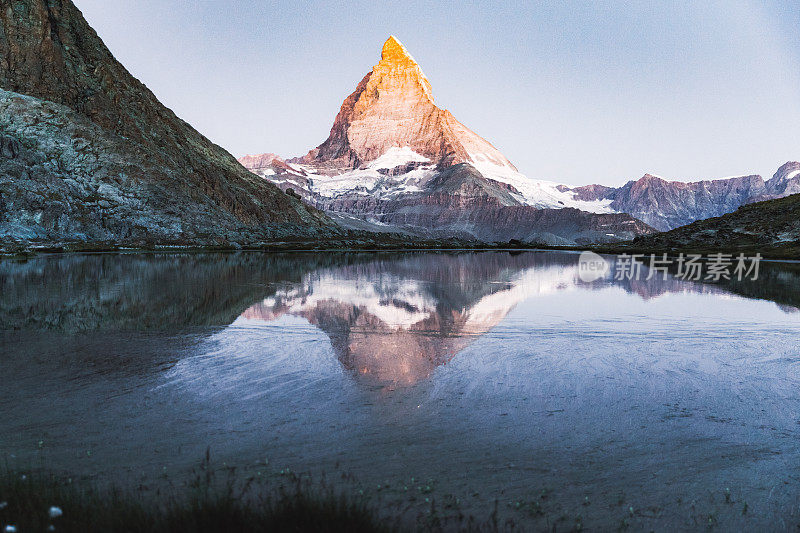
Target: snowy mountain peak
[[394, 51], [393, 107], [395, 161]]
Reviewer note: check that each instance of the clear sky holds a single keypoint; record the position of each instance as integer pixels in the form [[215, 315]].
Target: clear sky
[[577, 92]]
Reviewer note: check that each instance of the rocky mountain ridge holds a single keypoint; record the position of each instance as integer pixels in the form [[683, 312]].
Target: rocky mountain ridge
[[90, 154], [422, 200], [770, 227], [666, 205], [659, 203]]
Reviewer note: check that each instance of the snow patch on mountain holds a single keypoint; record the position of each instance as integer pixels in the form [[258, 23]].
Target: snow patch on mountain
[[377, 179], [791, 175], [370, 181], [537, 193], [395, 157]]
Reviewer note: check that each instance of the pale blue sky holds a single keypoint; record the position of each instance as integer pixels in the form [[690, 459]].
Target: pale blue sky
[[578, 92]]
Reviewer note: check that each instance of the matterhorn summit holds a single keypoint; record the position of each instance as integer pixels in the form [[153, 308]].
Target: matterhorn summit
[[395, 161], [393, 107]]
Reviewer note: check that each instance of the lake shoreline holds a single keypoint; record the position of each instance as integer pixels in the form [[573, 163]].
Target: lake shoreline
[[790, 255]]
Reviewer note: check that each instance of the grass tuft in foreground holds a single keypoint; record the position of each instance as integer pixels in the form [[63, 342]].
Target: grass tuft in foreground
[[41, 502]]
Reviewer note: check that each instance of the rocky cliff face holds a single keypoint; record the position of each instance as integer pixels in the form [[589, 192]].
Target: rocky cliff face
[[89, 152], [459, 201]]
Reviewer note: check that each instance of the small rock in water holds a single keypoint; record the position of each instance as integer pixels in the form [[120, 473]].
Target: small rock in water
[[55, 512]]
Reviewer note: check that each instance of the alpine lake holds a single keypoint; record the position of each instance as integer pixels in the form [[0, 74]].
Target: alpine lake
[[492, 385]]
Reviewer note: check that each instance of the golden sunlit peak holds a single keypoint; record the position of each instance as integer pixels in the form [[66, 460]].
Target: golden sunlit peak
[[393, 50]]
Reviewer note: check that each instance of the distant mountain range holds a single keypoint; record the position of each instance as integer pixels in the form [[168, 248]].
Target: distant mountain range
[[396, 161], [666, 205]]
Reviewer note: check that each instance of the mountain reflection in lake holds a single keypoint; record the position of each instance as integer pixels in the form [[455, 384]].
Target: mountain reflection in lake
[[494, 375], [395, 321]]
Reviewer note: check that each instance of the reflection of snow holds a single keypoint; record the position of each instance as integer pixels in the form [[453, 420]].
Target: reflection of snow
[[532, 282], [400, 304], [398, 322]]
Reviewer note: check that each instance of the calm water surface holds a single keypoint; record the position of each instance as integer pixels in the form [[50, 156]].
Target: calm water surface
[[461, 379]]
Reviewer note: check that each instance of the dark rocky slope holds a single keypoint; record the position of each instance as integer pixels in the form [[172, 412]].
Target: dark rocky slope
[[771, 227], [90, 154]]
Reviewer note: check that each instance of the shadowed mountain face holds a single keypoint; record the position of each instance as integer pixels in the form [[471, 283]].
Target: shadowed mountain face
[[90, 154]]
